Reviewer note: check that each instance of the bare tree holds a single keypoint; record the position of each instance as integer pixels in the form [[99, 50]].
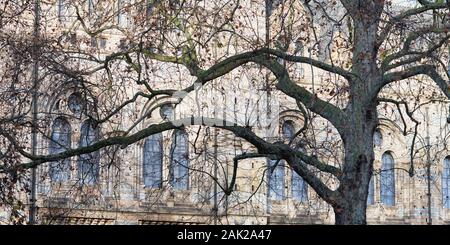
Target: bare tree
[[357, 49]]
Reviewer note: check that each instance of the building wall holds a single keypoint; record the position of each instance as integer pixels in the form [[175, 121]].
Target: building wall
[[120, 196]]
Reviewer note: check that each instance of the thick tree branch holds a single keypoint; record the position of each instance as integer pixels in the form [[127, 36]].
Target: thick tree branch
[[429, 70], [273, 150], [416, 56], [407, 45], [416, 127], [404, 15], [306, 60], [326, 110]]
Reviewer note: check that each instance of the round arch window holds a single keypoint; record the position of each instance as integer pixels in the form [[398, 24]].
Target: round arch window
[[287, 130], [166, 112], [75, 103], [377, 138]]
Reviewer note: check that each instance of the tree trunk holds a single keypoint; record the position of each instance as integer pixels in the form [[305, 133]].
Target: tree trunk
[[362, 119], [350, 206], [350, 209], [354, 213]]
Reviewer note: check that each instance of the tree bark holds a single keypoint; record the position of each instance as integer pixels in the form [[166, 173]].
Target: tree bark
[[350, 208], [352, 214], [362, 116]]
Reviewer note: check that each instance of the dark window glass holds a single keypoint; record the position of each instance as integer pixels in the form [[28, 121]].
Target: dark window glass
[[179, 160], [387, 183], [59, 142], [371, 193], [446, 183], [276, 179], [288, 130], [377, 138], [166, 112], [88, 164], [75, 103], [152, 165]]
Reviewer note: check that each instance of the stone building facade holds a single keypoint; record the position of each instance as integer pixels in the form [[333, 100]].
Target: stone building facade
[[141, 184]]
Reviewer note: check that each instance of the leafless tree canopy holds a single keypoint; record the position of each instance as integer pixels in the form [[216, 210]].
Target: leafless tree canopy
[[112, 64]]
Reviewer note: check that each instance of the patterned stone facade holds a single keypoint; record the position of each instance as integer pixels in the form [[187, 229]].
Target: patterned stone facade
[[121, 195]]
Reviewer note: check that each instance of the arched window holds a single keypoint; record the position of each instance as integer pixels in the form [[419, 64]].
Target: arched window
[[371, 192], [149, 8], [377, 138], [174, 4], [272, 5], [122, 17], [276, 179], [61, 9], [446, 183], [387, 183], [75, 103], [119, 12], [299, 186], [179, 160], [152, 165], [60, 6], [90, 4], [88, 164], [287, 130], [166, 112], [59, 142]]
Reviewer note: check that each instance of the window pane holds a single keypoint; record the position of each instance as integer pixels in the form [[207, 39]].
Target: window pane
[[123, 12], [179, 160], [90, 4], [59, 142], [276, 180], [371, 192], [387, 183], [299, 188], [149, 8], [88, 164], [377, 138], [288, 130], [166, 112], [152, 166], [75, 103], [446, 183]]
